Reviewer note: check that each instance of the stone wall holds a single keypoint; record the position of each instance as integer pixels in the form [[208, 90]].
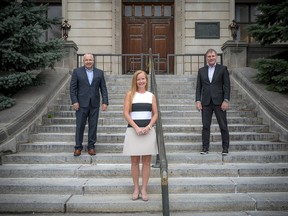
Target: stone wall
[[92, 24], [96, 24]]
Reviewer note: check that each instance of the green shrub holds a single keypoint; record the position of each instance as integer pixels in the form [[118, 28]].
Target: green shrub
[[6, 102], [50, 115], [13, 82], [281, 55], [273, 73], [280, 83]]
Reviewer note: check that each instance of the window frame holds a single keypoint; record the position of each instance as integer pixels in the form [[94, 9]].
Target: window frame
[[249, 39]]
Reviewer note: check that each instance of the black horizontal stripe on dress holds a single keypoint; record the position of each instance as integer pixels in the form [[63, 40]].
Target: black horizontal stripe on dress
[[141, 122], [141, 107]]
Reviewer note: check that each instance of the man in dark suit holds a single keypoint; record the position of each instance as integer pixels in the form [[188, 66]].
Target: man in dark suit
[[87, 83], [213, 95]]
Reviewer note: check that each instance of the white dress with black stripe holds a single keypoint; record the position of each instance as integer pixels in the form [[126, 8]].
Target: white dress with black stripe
[[141, 113]]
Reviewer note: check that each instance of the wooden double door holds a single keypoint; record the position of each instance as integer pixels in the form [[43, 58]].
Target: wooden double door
[[141, 34]]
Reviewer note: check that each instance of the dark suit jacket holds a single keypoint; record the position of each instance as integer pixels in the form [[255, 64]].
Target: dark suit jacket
[[217, 90], [82, 92]]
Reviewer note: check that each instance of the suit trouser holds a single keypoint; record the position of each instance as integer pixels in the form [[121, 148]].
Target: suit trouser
[[84, 113], [221, 116]]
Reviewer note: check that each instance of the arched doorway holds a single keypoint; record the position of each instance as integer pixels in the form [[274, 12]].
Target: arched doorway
[[148, 25]]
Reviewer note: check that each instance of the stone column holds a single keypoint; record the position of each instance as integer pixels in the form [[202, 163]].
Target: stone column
[[70, 57], [234, 53]]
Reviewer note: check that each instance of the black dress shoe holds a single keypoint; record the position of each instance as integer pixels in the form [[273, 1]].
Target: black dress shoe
[[91, 152], [156, 165], [225, 152], [204, 151]]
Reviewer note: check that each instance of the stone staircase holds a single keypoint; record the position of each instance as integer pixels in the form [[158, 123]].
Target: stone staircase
[[44, 176]]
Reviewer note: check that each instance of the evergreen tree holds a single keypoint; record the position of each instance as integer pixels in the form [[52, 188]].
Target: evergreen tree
[[272, 26], [272, 22], [21, 28], [22, 25]]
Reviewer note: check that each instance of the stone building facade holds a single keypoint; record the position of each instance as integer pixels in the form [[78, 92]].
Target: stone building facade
[[191, 26], [97, 24]]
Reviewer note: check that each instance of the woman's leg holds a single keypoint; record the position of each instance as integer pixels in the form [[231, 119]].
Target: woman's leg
[[135, 172], [146, 162]]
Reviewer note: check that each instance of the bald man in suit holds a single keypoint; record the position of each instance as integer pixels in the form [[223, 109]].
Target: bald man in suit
[[213, 95], [87, 83]]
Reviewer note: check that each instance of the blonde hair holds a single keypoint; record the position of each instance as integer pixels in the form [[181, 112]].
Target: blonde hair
[[134, 86]]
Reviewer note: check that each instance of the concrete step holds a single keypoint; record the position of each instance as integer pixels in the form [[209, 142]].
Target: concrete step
[[183, 93], [124, 170], [172, 213], [198, 120], [187, 100], [177, 185], [71, 128], [215, 128], [44, 176], [122, 203], [195, 113], [166, 129], [165, 120], [235, 146], [233, 157], [114, 158], [50, 147], [183, 147], [216, 137], [175, 114], [121, 101], [123, 88], [166, 107], [168, 137]]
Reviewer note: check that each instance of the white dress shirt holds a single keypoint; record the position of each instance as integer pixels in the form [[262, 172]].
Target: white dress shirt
[[211, 72], [89, 75]]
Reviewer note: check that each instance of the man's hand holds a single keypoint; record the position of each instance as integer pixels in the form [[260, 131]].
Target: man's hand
[[198, 106], [76, 106], [224, 106], [104, 107]]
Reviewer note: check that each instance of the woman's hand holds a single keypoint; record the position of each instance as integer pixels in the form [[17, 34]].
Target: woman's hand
[[146, 129], [143, 131], [139, 131]]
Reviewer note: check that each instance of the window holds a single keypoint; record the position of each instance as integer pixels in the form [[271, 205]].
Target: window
[[245, 15], [54, 11], [55, 31], [142, 10]]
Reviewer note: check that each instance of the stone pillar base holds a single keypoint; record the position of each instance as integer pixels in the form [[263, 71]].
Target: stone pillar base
[[70, 57], [234, 54]]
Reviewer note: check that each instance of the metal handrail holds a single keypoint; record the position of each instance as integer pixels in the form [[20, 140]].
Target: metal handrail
[[187, 63], [117, 63], [160, 141]]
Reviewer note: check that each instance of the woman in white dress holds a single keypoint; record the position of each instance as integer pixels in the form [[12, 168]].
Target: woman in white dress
[[140, 111]]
